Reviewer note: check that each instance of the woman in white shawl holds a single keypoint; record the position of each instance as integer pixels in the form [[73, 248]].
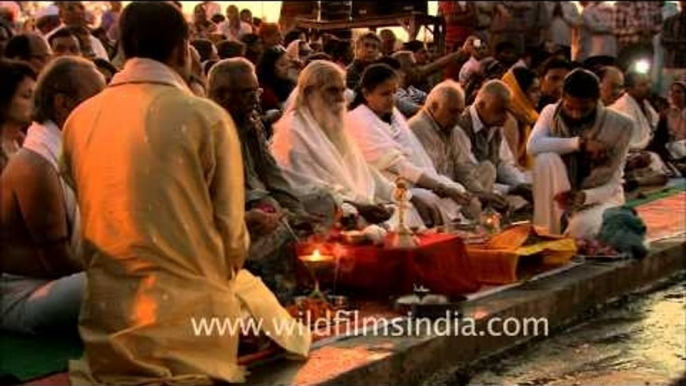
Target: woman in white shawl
[[389, 145], [312, 147]]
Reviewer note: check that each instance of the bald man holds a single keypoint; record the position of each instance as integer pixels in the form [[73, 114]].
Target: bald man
[[436, 128], [482, 124], [611, 84]]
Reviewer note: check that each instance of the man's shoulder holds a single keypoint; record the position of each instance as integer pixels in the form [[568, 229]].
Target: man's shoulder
[[180, 103], [26, 166], [618, 118]]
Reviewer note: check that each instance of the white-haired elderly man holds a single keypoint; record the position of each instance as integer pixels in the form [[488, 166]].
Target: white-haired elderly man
[[436, 128], [483, 141]]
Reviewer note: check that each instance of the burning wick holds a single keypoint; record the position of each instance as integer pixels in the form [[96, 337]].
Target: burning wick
[[316, 256]]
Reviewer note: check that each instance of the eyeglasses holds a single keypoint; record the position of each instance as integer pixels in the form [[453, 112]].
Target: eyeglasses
[[247, 92], [257, 92]]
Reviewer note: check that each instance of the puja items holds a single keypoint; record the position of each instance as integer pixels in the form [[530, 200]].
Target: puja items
[[491, 221], [317, 263], [313, 311], [424, 304]]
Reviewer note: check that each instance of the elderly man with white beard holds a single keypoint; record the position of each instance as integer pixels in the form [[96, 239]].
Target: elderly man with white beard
[[311, 145]]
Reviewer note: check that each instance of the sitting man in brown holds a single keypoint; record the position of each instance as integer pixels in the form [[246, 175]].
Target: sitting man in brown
[[41, 282], [274, 213]]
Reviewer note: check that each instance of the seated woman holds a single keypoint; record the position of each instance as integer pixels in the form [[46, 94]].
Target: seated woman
[[276, 78], [670, 137], [388, 145], [16, 90], [526, 93]]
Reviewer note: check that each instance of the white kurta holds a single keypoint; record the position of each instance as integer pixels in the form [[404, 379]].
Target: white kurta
[[644, 124], [395, 151], [644, 127]]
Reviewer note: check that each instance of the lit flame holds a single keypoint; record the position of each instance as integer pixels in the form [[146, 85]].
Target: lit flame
[[316, 256]]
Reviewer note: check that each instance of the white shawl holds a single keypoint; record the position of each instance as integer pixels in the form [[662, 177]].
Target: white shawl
[[385, 145], [643, 126], [310, 161], [395, 145], [46, 140]]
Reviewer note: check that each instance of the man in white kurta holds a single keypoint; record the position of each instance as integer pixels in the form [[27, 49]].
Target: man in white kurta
[[580, 148], [159, 179], [635, 105]]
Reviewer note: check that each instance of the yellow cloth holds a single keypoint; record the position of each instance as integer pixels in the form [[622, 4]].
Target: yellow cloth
[[497, 261], [526, 115], [159, 179]]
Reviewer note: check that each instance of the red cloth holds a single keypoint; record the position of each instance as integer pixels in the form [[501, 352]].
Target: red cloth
[[440, 263]]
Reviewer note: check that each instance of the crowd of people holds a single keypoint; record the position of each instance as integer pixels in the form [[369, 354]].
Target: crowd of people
[[157, 168]]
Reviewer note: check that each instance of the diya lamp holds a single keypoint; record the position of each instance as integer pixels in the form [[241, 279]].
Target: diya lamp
[[317, 263], [491, 220]]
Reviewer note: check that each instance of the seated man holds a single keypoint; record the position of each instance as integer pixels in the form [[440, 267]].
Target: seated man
[[552, 75], [367, 51], [270, 201], [64, 42], [436, 128], [482, 123], [580, 148], [40, 217], [315, 151], [643, 168], [388, 144], [611, 84], [477, 50]]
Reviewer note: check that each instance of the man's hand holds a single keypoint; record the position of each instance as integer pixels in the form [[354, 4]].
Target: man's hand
[[462, 198], [427, 211], [494, 200], [570, 200], [260, 222], [524, 191], [374, 214], [638, 160], [597, 150]]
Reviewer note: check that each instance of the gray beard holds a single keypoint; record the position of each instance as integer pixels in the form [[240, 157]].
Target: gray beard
[[331, 122]]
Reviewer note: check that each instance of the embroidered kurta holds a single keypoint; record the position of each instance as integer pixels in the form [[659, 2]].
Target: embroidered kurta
[[159, 180]]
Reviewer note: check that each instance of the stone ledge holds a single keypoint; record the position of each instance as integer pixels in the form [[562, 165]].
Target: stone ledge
[[412, 360]]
